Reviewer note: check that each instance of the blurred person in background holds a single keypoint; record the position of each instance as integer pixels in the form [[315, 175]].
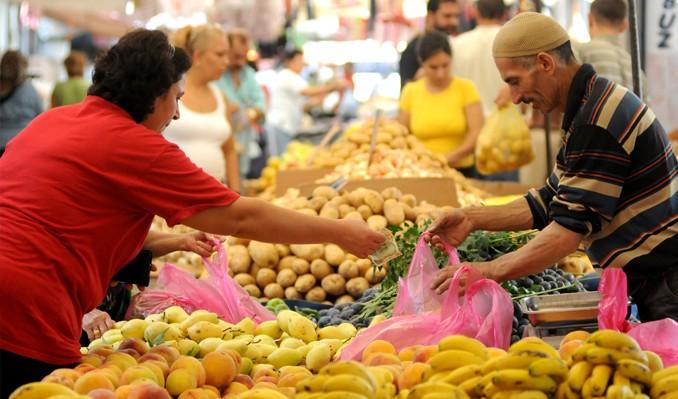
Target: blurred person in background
[[443, 111], [442, 16], [240, 86], [19, 101], [204, 131], [74, 89], [289, 99]]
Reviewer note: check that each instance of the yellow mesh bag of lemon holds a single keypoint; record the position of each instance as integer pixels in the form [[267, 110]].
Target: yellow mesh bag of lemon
[[504, 142]]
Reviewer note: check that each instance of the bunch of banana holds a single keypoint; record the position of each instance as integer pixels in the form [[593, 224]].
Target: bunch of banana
[[665, 383], [531, 369], [459, 361], [342, 380], [609, 364], [436, 390]]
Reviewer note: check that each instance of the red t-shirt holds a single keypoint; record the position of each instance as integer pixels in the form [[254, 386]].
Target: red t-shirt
[[78, 190]]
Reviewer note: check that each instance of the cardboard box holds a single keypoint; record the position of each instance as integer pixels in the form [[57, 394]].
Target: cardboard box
[[500, 188], [294, 178], [439, 191]]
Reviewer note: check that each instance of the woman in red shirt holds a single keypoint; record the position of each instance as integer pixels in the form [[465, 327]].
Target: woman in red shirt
[[80, 186]]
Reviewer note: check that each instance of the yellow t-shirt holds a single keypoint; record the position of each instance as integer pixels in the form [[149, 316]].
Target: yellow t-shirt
[[438, 119]]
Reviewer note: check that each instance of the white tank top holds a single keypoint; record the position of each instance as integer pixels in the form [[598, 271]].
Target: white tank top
[[201, 134]]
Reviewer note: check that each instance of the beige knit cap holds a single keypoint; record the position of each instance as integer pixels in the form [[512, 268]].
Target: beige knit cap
[[527, 34]]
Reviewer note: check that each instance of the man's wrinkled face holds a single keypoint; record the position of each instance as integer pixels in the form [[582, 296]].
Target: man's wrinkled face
[[529, 83], [446, 18]]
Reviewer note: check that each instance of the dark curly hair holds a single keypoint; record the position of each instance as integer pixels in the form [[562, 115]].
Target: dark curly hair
[[431, 43], [141, 67]]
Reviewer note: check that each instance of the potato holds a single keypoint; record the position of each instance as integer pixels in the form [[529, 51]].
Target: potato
[[253, 290], [356, 286], [320, 268], [283, 250], [286, 278], [286, 263], [265, 277], [325, 191], [292, 293], [308, 211], [263, 254], [300, 203], [351, 257], [274, 290], [304, 283], [374, 275], [300, 266], [394, 213], [316, 294], [244, 279], [334, 284], [254, 269], [391, 193], [334, 255], [356, 197], [308, 251], [409, 199], [329, 211], [375, 201], [354, 215], [239, 259], [377, 222], [336, 201], [398, 143], [364, 211], [348, 269], [317, 203], [345, 209], [344, 299], [409, 212], [236, 241]]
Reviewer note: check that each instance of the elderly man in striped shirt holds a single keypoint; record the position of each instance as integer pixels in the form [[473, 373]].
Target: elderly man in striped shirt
[[614, 188]]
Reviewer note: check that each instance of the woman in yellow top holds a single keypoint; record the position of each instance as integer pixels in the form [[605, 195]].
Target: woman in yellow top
[[442, 111]]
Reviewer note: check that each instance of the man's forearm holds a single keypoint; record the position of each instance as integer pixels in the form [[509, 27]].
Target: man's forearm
[[514, 216], [545, 249]]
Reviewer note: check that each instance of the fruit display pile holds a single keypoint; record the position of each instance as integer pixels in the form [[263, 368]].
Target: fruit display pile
[[198, 356]]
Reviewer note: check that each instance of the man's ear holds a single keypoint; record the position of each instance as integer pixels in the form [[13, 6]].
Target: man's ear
[[546, 62]]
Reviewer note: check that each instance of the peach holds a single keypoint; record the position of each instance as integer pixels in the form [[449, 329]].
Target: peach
[[92, 381], [122, 360], [148, 391], [160, 364], [220, 368], [139, 345], [151, 356], [237, 359], [412, 375], [122, 392], [426, 352], [102, 350], [59, 379], [575, 335], [130, 352], [170, 353], [181, 380], [192, 364], [378, 346], [112, 372], [195, 393], [379, 359], [137, 372], [84, 368], [291, 379], [407, 353], [93, 359], [101, 393], [212, 389], [567, 349], [265, 384], [261, 370], [244, 379], [159, 374], [236, 388], [68, 373], [266, 378]]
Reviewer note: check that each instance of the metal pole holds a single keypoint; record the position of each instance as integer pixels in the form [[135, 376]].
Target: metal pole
[[635, 49]]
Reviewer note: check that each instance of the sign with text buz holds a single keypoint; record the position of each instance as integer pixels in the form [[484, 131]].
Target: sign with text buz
[[661, 55]]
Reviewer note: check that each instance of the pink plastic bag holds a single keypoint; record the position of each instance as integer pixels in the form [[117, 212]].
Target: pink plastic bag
[[218, 293], [415, 294], [484, 312], [660, 336]]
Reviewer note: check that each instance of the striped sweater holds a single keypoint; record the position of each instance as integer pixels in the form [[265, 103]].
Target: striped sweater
[[615, 179]]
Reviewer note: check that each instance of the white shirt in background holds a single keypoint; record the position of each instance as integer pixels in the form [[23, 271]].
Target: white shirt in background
[[201, 135], [287, 102], [472, 59]]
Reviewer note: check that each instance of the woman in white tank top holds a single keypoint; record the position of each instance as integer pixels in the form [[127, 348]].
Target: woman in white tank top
[[203, 130]]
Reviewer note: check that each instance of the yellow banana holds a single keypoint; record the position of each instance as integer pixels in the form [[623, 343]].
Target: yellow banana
[[462, 374], [471, 386], [671, 395], [613, 340], [421, 390], [488, 390], [40, 390], [350, 367], [519, 360], [619, 379], [341, 395], [521, 379], [580, 353], [437, 395], [565, 392], [613, 356], [636, 387], [491, 365], [535, 346], [303, 395], [665, 385], [461, 342], [578, 375], [663, 373], [530, 394], [600, 376], [587, 389], [381, 375], [263, 393], [635, 371], [554, 368], [439, 376], [640, 396], [348, 382], [453, 359], [654, 361], [615, 391], [312, 384]]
